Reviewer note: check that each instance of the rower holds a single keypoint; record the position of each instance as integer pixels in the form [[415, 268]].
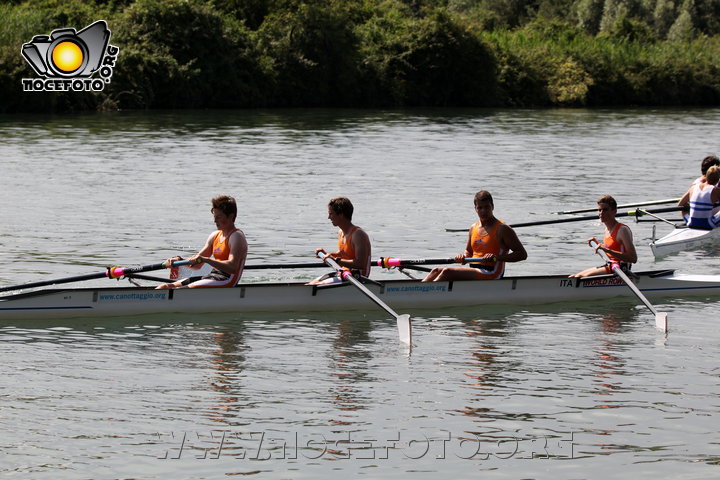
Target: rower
[[617, 243], [354, 248], [707, 162], [225, 250], [702, 198], [490, 239]]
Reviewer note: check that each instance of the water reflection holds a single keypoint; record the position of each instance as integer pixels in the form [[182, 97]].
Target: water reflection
[[487, 359], [609, 364], [350, 359], [516, 363], [227, 361]]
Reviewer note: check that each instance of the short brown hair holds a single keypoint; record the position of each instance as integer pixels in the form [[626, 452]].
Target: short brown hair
[[713, 175], [225, 204], [342, 206], [483, 196], [708, 162], [609, 200]]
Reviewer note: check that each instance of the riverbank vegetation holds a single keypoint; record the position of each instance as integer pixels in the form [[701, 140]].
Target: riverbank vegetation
[[379, 53]]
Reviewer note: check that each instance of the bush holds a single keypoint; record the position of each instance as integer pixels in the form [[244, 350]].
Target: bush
[[569, 84], [426, 61], [310, 55], [183, 54], [538, 65]]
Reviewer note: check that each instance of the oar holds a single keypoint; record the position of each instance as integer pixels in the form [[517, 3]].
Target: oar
[[645, 212], [661, 318], [630, 213], [390, 262], [110, 272], [627, 205], [273, 266], [403, 321], [379, 262]]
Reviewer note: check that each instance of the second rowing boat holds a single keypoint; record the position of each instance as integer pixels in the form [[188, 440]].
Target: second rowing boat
[[683, 238]]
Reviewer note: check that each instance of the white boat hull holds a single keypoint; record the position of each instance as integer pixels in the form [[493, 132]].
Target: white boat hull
[[404, 296], [681, 239]]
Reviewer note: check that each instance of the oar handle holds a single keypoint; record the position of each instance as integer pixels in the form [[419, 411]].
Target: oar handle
[[593, 243], [391, 262], [639, 212], [328, 260], [119, 272]]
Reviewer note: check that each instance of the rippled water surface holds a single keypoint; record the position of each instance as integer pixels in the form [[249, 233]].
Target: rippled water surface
[[557, 391]]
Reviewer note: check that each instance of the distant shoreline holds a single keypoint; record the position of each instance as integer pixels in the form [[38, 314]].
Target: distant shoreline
[[371, 54]]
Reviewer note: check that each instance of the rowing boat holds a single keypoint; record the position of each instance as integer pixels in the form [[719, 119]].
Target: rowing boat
[[295, 297], [684, 238]]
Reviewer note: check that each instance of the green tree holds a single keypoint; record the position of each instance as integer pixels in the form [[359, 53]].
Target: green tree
[[426, 61], [707, 20], [613, 11], [664, 16], [569, 84], [183, 54], [684, 27], [589, 13], [251, 12], [555, 9], [511, 13], [310, 55]]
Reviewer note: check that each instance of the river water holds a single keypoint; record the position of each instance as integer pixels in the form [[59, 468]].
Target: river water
[[563, 391]]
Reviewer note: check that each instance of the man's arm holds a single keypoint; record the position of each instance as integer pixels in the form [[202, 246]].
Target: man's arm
[[685, 200], [460, 257], [715, 197], [515, 249], [204, 252]]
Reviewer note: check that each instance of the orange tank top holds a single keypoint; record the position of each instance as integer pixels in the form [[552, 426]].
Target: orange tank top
[[347, 252], [483, 242], [613, 243], [221, 249]]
